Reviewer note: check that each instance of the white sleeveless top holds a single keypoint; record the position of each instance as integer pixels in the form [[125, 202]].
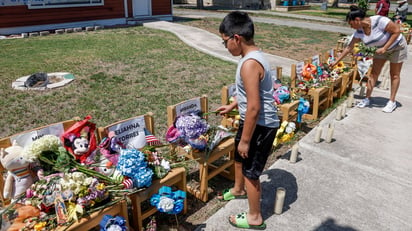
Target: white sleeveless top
[[268, 112]]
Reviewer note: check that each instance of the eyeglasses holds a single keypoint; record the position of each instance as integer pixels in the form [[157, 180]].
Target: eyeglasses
[[224, 42]]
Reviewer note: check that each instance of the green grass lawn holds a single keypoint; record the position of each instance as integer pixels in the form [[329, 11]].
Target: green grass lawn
[[125, 72], [119, 73]]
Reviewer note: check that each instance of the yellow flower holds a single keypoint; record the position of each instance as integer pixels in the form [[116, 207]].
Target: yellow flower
[[100, 186], [40, 226], [286, 137], [340, 65]]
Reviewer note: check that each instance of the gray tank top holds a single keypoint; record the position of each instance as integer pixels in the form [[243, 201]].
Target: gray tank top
[[268, 112]]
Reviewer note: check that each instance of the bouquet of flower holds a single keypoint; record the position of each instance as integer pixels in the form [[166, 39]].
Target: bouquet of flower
[[159, 165], [66, 189], [193, 133], [364, 56], [54, 158], [285, 133], [361, 51], [132, 164]]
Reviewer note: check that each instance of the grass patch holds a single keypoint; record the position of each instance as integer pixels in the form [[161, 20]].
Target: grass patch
[[291, 42], [119, 73]]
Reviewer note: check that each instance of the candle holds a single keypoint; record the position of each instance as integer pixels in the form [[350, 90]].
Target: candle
[[338, 113], [329, 134], [318, 134], [350, 99], [362, 91], [280, 199], [343, 112], [294, 153]]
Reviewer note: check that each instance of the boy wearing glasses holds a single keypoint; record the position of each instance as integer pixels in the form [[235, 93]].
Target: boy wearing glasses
[[258, 117]]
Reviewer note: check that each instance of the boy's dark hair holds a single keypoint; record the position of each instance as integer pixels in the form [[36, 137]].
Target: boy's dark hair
[[239, 23], [355, 12]]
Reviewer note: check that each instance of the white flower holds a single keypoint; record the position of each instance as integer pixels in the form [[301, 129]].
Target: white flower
[[78, 176], [45, 143], [165, 164], [290, 128], [88, 181], [166, 204], [334, 74], [114, 228], [187, 148]]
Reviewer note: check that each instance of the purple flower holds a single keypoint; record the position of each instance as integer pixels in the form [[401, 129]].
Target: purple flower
[[191, 126]]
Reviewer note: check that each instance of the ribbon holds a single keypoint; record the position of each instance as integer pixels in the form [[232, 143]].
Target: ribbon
[[165, 198]]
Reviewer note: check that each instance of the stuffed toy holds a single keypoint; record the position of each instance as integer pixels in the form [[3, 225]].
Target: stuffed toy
[[79, 144], [80, 139], [110, 147], [19, 177], [308, 71]]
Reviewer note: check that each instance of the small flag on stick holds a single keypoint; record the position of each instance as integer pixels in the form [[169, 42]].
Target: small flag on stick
[[151, 139]]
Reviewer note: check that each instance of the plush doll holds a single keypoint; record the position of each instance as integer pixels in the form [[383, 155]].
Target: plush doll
[[19, 177], [80, 139], [79, 143], [308, 71]]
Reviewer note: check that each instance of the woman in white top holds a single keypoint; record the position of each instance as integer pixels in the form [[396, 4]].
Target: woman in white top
[[380, 32]]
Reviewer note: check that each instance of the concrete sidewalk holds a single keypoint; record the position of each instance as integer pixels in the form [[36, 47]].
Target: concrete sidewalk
[[361, 181]]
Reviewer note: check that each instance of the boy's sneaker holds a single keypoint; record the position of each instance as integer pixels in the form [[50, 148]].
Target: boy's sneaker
[[390, 106], [365, 102]]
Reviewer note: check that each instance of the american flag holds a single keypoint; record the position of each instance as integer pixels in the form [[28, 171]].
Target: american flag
[[151, 139]]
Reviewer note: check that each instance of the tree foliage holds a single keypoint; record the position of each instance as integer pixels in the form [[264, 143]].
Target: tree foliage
[[364, 5]]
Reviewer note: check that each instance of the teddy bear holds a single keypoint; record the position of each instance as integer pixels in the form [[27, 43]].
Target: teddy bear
[[19, 177]]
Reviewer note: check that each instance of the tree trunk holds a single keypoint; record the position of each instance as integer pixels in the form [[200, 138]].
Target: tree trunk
[[199, 4], [335, 4]]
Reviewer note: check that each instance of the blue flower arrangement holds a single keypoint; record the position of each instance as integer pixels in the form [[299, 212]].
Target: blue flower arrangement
[[132, 163], [168, 201]]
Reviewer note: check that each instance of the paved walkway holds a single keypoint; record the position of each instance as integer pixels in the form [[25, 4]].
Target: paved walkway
[[362, 181]]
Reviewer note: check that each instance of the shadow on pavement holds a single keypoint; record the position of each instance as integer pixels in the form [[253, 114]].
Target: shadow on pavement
[[275, 178]]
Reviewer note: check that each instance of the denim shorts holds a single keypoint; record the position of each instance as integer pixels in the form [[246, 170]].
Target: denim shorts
[[259, 150], [397, 54]]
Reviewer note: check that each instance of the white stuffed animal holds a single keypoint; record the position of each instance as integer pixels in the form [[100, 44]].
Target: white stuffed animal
[[19, 177]]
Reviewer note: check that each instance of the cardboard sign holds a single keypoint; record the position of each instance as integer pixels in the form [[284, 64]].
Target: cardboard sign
[[332, 53], [299, 69], [231, 90], [131, 132], [25, 139], [316, 60], [188, 107]]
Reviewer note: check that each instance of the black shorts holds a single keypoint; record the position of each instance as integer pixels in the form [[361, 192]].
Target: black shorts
[[259, 150]]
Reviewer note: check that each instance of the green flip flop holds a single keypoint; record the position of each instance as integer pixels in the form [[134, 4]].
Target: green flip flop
[[227, 195], [241, 222]]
